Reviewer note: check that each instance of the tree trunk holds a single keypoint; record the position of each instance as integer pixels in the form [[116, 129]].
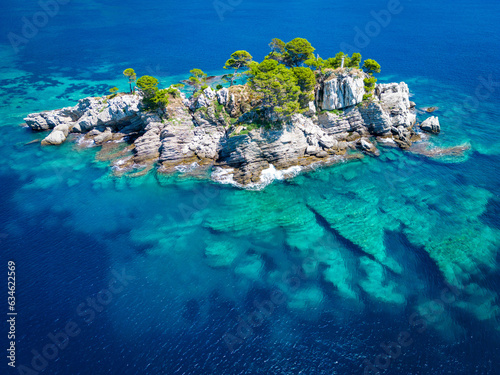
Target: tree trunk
[[234, 75]]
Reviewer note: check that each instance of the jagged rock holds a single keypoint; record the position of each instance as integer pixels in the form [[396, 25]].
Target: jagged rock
[[363, 131], [349, 121], [103, 137], [389, 108], [354, 136], [403, 132], [328, 142], [211, 116], [209, 93], [87, 114], [342, 91], [403, 143], [57, 136], [369, 147], [223, 96], [312, 150], [315, 136], [397, 131], [306, 124], [311, 109], [135, 125], [117, 110], [431, 125], [366, 145], [184, 140], [199, 102], [147, 146], [395, 101], [254, 152], [50, 119], [375, 118]]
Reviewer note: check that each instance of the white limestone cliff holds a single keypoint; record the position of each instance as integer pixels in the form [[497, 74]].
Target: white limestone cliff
[[342, 91]]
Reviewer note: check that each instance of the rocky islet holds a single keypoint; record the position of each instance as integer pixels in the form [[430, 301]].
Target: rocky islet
[[214, 130]]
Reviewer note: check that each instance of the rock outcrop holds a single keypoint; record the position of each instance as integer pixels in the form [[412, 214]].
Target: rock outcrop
[[390, 108], [349, 120], [214, 130], [57, 136], [431, 125], [341, 90], [395, 101]]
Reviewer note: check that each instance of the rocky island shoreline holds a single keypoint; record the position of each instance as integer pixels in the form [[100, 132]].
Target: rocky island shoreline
[[234, 134]]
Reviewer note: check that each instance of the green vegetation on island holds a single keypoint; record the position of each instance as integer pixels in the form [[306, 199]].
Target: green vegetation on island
[[130, 74], [198, 79], [113, 91], [238, 60], [282, 84]]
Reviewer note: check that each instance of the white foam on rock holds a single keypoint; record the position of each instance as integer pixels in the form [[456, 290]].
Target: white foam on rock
[[84, 142], [187, 167], [117, 165], [387, 141], [267, 176], [224, 176], [270, 174]]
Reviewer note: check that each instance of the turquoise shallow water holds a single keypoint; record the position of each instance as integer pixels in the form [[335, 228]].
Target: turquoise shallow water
[[349, 256]]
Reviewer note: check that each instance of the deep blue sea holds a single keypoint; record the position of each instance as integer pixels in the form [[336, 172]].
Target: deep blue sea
[[386, 265]]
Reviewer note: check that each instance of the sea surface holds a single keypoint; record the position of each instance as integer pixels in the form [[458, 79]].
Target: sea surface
[[322, 274]]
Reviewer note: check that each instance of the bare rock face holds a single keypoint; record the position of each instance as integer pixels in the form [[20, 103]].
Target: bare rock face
[[202, 100], [348, 121], [389, 108], [311, 109], [88, 114], [147, 145], [342, 91], [253, 153], [57, 136], [101, 113], [50, 119], [395, 100], [187, 138], [223, 96], [431, 125], [301, 142], [375, 118], [368, 147]]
